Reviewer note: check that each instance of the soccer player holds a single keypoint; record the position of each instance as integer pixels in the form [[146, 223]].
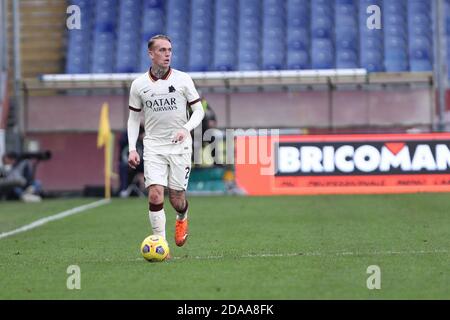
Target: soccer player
[[163, 94]]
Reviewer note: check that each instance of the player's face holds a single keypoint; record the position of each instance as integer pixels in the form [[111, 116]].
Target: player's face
[[161, 53]]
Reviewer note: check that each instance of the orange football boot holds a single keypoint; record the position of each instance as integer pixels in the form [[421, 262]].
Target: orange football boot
[[181, 232]]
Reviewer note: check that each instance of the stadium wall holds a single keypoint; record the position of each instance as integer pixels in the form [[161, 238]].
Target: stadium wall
[[76, 161], [307, 109], [67, 125]]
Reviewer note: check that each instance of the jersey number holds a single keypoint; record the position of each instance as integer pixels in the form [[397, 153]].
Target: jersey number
[[187, 172]]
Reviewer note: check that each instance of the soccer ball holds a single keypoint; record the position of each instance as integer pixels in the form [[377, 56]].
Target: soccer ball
[[154, 248]]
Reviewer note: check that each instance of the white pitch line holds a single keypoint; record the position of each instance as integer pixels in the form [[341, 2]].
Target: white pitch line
[[57, 216]]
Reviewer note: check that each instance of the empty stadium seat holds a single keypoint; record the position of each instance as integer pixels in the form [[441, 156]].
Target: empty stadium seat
[[177, 22], [273, 30], [128, 39], [420, 35], [249, 37], [201, 35], [224, 35], [322, 34]]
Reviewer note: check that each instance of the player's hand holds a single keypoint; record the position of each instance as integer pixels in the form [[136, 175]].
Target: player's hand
[[133, 159], [180, 135]]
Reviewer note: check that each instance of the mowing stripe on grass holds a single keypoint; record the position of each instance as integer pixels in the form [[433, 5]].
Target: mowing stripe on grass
[[312, 254], [57, 216], [323, 254]]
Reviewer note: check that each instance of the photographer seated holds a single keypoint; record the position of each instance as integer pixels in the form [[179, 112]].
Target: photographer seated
[[17, 179]]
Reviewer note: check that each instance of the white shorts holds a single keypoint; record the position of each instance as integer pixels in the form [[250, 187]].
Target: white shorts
[[169, 170]]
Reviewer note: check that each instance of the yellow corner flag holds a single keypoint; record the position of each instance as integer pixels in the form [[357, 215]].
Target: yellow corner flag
[[104, 138]]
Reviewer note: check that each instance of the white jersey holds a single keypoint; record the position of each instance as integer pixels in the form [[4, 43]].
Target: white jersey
[[164, 102]]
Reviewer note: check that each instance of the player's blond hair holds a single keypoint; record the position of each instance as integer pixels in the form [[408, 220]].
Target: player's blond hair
[[152, 40]]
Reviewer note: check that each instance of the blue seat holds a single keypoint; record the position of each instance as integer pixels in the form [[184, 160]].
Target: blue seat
[[322, 59], [419, 18], [246, 56], [249, 66], [105, 15], [274, 22], [252, 46], [396, 54], [200, 56], [419, 65], [420, 30], [77, 65], [420, 42], [394, 42], [298, 38], [153, 4], [322, 44], [179, 60], [79, 41], [249, 23], [102, 63], [152, 21], [240, 34], [224, 60], [225, 37], [321, 9], [198, 63], [127, 62], [396, 31], [250, 34], [396, 65], [297, 59], [322, 54], [372, 60], [272, 60], [346, 59], [298, 21], [273, 9], [394, 20], [397, 7], [322, 27]]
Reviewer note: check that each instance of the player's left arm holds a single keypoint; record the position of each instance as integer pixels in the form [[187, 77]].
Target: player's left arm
[[194, 121], [197, 112]]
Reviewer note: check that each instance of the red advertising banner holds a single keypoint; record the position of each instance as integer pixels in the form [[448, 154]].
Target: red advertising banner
[[343, 164]]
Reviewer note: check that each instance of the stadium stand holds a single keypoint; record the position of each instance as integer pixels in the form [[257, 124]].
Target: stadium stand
[[225, 39], [178, 15], [447, 27], [228, 35], [153, 22], [249, 44]]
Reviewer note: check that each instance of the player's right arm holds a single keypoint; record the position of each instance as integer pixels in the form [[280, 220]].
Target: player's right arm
[[134, 119]]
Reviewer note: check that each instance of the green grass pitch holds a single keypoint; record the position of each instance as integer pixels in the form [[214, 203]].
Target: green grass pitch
[[315, 247]]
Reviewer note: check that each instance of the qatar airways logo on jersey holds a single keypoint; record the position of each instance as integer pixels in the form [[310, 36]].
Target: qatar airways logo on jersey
[[161, 104], [362, 158]]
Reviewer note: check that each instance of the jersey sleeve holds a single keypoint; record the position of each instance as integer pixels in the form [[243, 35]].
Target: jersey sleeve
[[192, 95], [134, 102]]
